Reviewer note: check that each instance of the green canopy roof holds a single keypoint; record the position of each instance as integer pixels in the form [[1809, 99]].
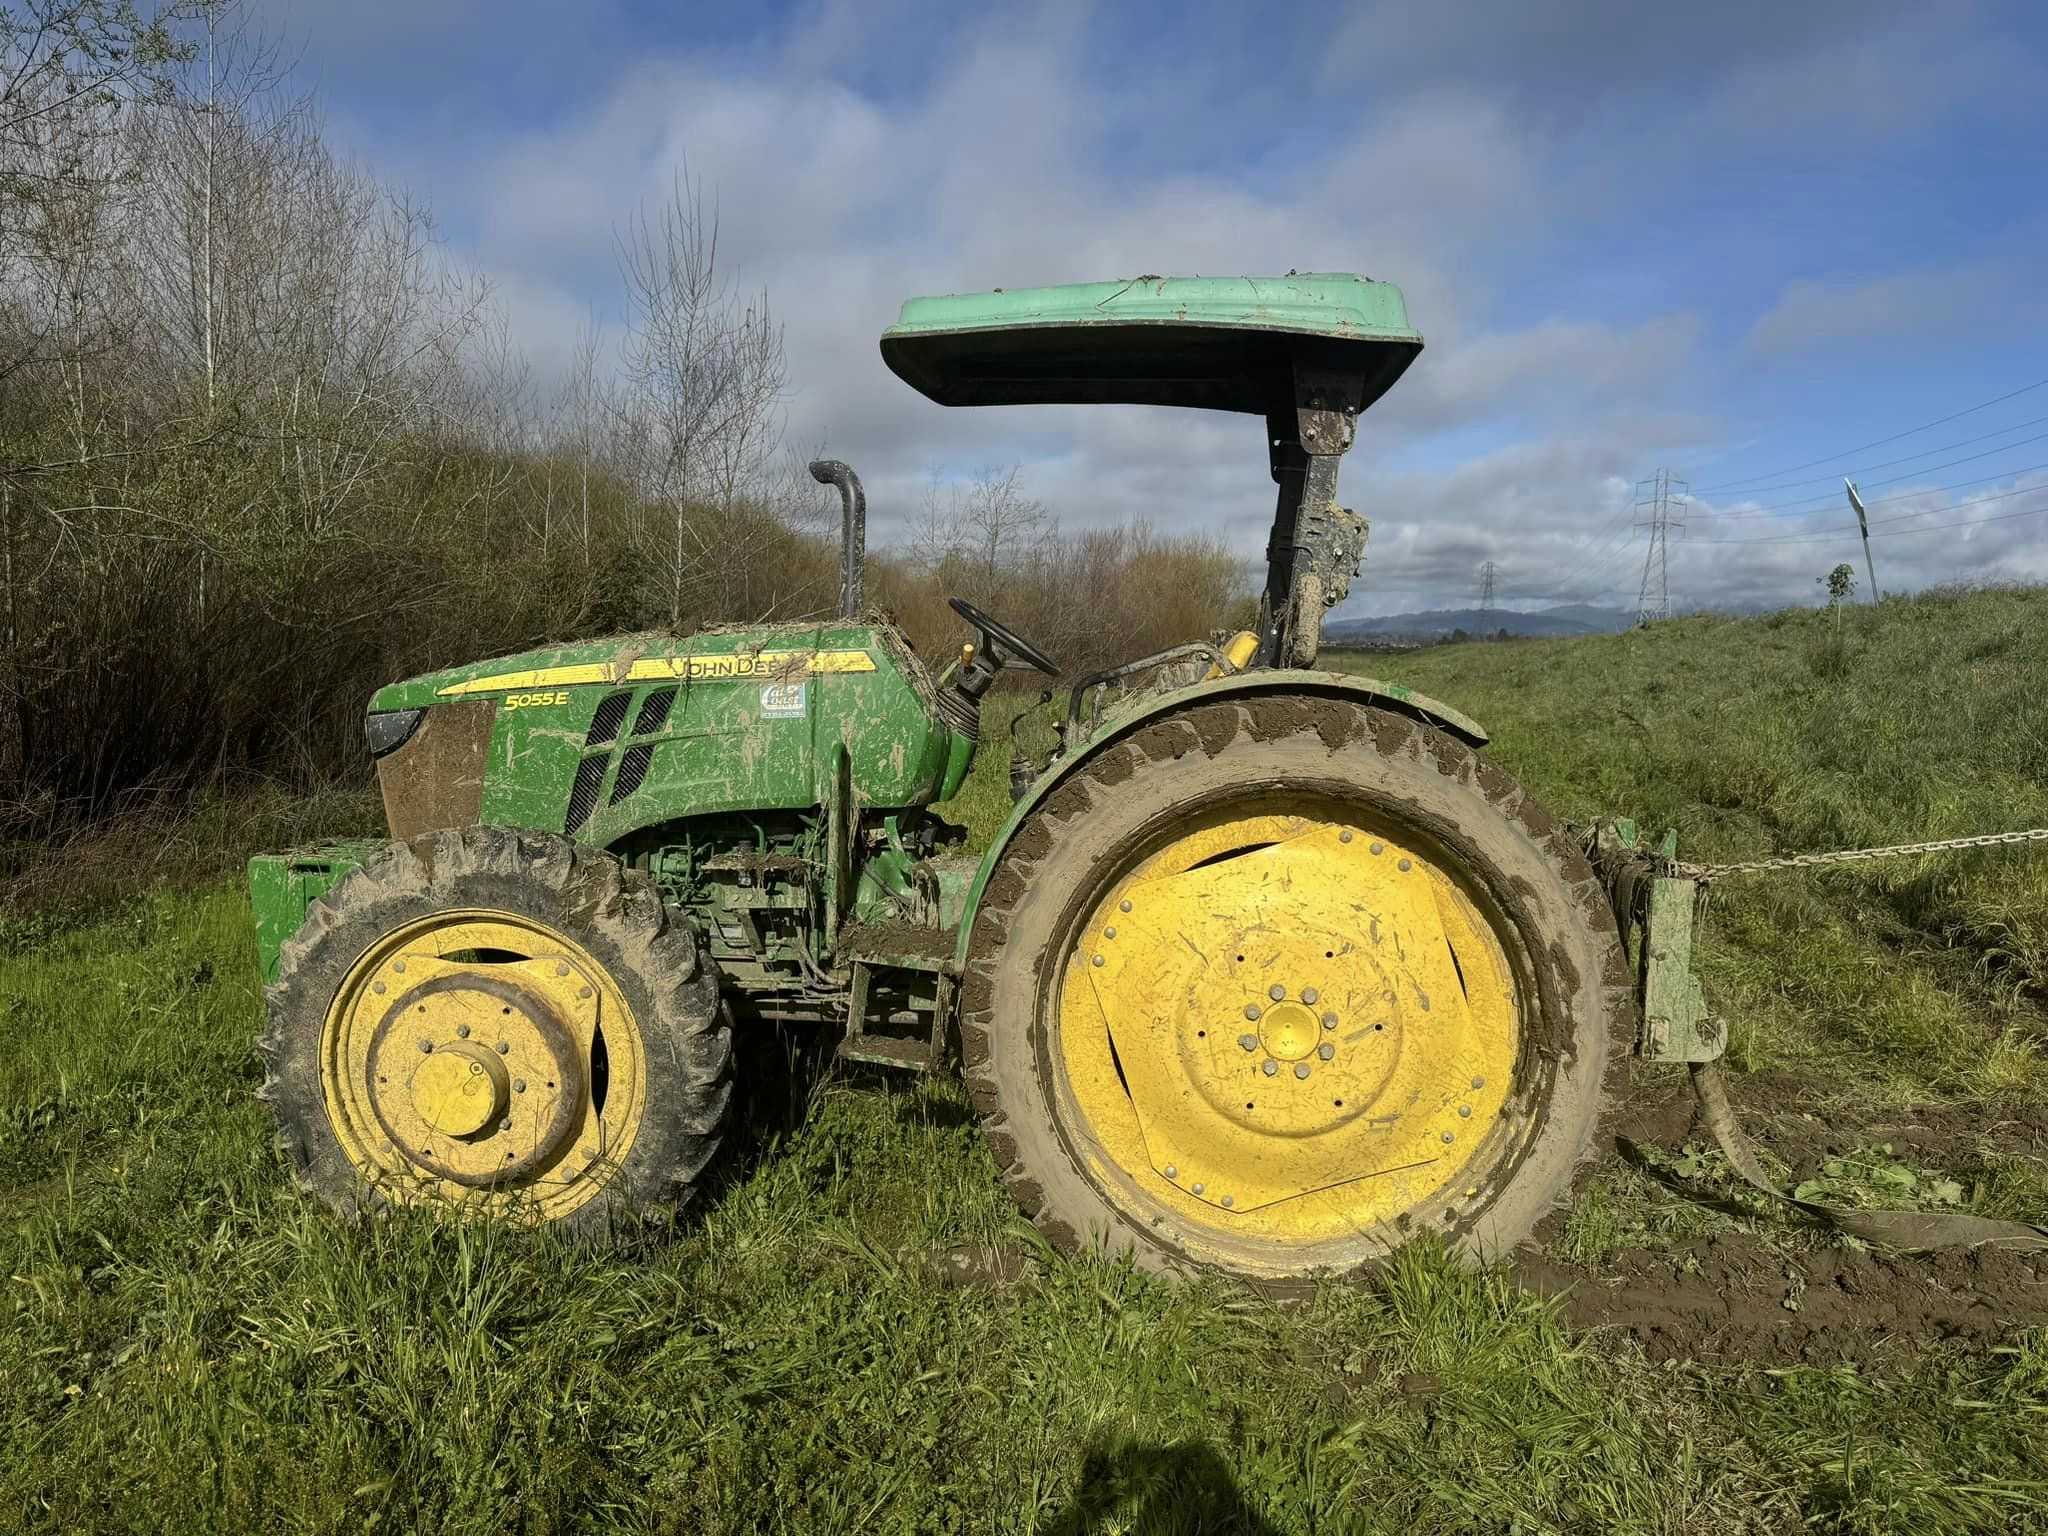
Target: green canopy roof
[[1223, 343]]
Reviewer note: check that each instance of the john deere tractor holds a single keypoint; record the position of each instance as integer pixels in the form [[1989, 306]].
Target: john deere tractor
[[1268, 970]]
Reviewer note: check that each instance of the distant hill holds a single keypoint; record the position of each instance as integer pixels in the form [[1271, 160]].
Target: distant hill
[[1435, 623]]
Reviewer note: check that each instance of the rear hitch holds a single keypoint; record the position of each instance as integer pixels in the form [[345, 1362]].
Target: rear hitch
[[1657, 911]]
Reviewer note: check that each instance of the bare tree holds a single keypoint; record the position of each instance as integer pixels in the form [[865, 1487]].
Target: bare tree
[[705, 368]]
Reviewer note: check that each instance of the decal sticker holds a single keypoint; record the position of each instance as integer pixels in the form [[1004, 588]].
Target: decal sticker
[[724, 667], [782, 701]]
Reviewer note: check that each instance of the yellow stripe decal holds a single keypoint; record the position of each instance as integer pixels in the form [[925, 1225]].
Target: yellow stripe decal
[[689, 669]]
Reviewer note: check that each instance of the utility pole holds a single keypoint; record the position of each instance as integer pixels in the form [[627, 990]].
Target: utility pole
[[1660, 507], [1487, 573], [1863, 522]]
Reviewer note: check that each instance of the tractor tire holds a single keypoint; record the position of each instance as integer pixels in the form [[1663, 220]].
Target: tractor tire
[[607, 999], [1536, 953]]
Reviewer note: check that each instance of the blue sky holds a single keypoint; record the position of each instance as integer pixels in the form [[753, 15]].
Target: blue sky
[[1729, 239]]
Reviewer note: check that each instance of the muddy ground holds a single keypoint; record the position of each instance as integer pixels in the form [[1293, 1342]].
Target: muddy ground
[[1781, 1298]]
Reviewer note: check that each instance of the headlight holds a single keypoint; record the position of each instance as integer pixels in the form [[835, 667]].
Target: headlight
[[391, 730]]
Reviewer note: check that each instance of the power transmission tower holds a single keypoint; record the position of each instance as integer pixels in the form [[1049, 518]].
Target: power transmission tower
[[1487, 573], [1660, 507]]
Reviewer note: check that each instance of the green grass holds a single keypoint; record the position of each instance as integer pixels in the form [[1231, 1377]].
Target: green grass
[[187, 1344]]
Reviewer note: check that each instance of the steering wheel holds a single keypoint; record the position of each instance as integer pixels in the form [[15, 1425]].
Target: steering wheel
[[1001, 641]]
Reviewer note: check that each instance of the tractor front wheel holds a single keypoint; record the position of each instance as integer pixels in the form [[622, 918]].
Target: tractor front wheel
[[504, 1021], [1269, 986]]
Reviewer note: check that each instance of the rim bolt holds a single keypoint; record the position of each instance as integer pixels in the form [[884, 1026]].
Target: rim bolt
[[583, 991], [504, 1047], [1276, 992], [398, 966], [1449, 1137], [1109, 932], [1271, 1068], [426, 1045], [1301, 1069], [462, 1030], [1172, 1172], [562, 969], [1309, 996], [377, 986], [1326, 1050], [1252, 1011], [1379, 848], [1329, 1021], [1478, 1082], [1404, 866], [1464, 1111], [1227, 1202], [1124, 905], [1344, 836], [1098, 959], [1199, 1188], [1249, 1042], [519, 1085]]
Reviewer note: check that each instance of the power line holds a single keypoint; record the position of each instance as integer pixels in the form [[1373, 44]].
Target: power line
[[1784, 508], [1830, 458], [1887, 524], [1864, 469]]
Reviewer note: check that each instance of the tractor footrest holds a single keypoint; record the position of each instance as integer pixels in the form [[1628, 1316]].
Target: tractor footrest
[[910, 998]]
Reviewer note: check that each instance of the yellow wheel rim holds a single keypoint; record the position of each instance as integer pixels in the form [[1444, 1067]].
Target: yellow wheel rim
[[1287, 1025], [485, 1058]]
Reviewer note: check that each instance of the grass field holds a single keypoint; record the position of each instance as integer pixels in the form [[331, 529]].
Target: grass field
[[187, 1344]]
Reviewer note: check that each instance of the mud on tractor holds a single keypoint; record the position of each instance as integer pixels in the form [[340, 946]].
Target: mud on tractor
[[1268, 970]]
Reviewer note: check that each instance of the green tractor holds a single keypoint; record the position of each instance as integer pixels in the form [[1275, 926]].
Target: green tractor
[[1268, 970]]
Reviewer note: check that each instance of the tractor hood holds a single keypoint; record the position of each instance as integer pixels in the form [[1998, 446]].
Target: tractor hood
[[769, 652]]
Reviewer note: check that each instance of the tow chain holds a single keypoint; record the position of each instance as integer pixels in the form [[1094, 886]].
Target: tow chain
[[1852, 855], [1909, 1230]]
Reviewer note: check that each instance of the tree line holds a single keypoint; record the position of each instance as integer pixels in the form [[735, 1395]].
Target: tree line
[[264, 445]]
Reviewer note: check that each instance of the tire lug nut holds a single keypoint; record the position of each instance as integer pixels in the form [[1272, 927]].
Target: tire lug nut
[[1309, 996], [1271, 1068], [1326, 1050], [1329, 1021], [1301, 1069], [1252, 1011], [1249, 1042], [1276, 992]]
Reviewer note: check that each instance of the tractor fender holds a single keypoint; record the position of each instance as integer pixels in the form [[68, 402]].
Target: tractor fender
[[1365, 690]]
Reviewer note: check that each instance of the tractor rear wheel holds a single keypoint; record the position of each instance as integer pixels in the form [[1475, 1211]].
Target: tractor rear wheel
[[1271, 986], [501, 1020]]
